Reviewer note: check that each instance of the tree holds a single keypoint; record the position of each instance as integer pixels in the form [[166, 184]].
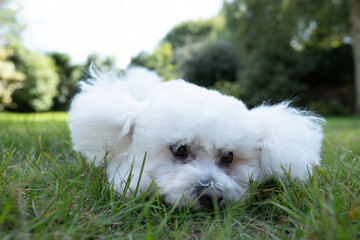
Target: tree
[[69, 75], [164, 59], [40, 85], [263, 36], [333, 22], [354, 17], [9, 25], [259, 26], [10, 79], [205, 63], [189, 32], [329, 77], [107, 63]]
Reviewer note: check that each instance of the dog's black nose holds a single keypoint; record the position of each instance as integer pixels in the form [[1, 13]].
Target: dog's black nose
[[208, 196]]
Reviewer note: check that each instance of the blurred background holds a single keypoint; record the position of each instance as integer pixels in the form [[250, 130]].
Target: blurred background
[[256, 50]]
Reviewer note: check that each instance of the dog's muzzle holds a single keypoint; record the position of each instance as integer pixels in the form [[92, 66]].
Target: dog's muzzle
[[208, 195]]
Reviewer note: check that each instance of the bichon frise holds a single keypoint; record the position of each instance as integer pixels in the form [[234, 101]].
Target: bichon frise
[[202, 147]]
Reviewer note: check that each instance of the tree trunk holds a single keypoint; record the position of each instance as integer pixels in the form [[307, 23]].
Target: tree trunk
[[355, 32]]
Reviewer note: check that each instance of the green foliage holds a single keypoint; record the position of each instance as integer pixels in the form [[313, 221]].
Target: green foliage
[[143, 59], [40, 85], [230, 88], [289, 49], [10, 78], [284, 49], [316, 23], [48, 191], [161, 61], [107, 63], [165, 56], [320, 23], [189, 32], [206, 63], [10, 28], [255, 24], [271, 66], [329, 75], [69, 75], [274, 76], [331, 66]]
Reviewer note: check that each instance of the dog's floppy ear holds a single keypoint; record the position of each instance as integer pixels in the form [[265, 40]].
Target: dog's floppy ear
[[291, 140], [102, 117]]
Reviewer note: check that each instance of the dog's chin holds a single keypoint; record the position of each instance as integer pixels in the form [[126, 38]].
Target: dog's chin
[[193, 202], [192, 199]]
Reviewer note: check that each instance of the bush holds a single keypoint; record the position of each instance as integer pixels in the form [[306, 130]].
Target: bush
[[229, 88], [206, 63], [334, 66], [69, 75], [40, 85], [161, 61], [272, 74], [189, 32], [330, 79], [11, 79]]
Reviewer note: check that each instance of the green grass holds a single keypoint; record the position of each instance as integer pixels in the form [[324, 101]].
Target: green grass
[[47, 191]]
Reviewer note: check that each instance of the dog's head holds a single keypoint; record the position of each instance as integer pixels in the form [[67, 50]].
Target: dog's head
[[202, 147], [200, 143]]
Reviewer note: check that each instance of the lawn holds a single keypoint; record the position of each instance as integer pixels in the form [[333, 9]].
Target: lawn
[[48, 191]]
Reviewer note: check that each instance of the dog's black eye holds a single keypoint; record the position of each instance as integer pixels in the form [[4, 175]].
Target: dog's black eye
[[227, 159], [180, 152]]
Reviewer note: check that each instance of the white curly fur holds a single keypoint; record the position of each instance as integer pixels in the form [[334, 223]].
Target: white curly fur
[[125, 117]]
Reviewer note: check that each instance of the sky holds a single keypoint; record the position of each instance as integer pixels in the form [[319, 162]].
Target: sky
[[120, 28]]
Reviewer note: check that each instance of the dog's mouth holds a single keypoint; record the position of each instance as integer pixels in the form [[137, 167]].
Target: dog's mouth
[[208, 196], [208, 199]]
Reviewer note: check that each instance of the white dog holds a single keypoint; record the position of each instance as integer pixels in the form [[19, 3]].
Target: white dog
[[202, 147]]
